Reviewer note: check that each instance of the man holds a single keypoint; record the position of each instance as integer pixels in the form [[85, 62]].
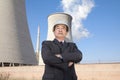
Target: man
[[60, 56]]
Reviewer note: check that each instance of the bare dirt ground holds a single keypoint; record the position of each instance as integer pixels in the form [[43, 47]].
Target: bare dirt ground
[[84, 72]]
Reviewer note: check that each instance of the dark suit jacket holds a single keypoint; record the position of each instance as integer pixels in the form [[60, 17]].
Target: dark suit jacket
[[56, 68]]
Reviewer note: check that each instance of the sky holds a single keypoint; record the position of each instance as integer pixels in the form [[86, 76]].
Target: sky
[[95, 25]]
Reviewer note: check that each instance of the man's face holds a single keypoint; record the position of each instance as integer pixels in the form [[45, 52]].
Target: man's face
[[60, 31]]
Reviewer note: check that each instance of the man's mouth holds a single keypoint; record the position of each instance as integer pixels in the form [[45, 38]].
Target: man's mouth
[[60, 33]]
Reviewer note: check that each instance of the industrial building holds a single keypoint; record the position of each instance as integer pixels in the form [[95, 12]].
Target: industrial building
[[16, 47]]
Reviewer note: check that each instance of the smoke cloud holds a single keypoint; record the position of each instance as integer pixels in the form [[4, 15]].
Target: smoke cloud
[[79, 10]]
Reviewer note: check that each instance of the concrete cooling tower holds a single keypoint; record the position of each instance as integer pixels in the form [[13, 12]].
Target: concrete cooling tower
[[59, 18], [15, 43]]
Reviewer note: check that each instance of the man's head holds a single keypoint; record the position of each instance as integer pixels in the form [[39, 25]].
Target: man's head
[[60, 31]]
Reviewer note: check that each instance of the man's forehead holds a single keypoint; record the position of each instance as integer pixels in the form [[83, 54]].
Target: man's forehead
[[60, 25]]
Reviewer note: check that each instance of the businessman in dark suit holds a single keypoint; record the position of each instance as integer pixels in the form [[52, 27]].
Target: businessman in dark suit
[[60, 56]]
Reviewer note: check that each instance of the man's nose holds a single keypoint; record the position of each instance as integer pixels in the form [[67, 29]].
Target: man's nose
[[60, 29]]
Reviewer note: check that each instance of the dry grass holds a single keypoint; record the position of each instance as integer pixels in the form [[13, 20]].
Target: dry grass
[[4, 76]]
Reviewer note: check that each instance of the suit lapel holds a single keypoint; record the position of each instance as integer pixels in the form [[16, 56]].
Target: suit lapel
[[56, 42], [65, 45]]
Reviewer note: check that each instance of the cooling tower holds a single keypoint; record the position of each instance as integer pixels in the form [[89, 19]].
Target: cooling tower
[[59, 18], [15, 43]]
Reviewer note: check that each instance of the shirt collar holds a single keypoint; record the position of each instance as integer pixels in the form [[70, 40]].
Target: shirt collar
[[59, 41]]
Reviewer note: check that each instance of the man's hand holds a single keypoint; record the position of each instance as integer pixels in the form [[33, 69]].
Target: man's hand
[[58, 55], [70, 64]]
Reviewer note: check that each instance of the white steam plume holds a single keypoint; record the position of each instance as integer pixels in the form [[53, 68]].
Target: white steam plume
[[79, 9]]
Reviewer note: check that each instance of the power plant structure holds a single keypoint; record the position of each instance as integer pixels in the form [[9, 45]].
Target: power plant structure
[[38, 52], [16, 47], [38, 45], [59, 18], [15, 42]]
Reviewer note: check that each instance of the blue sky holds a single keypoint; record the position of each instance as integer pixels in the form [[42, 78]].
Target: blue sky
[[101, 23]]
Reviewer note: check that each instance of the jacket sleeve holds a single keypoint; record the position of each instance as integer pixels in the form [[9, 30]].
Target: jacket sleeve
[[50, 59], [72, 53]]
